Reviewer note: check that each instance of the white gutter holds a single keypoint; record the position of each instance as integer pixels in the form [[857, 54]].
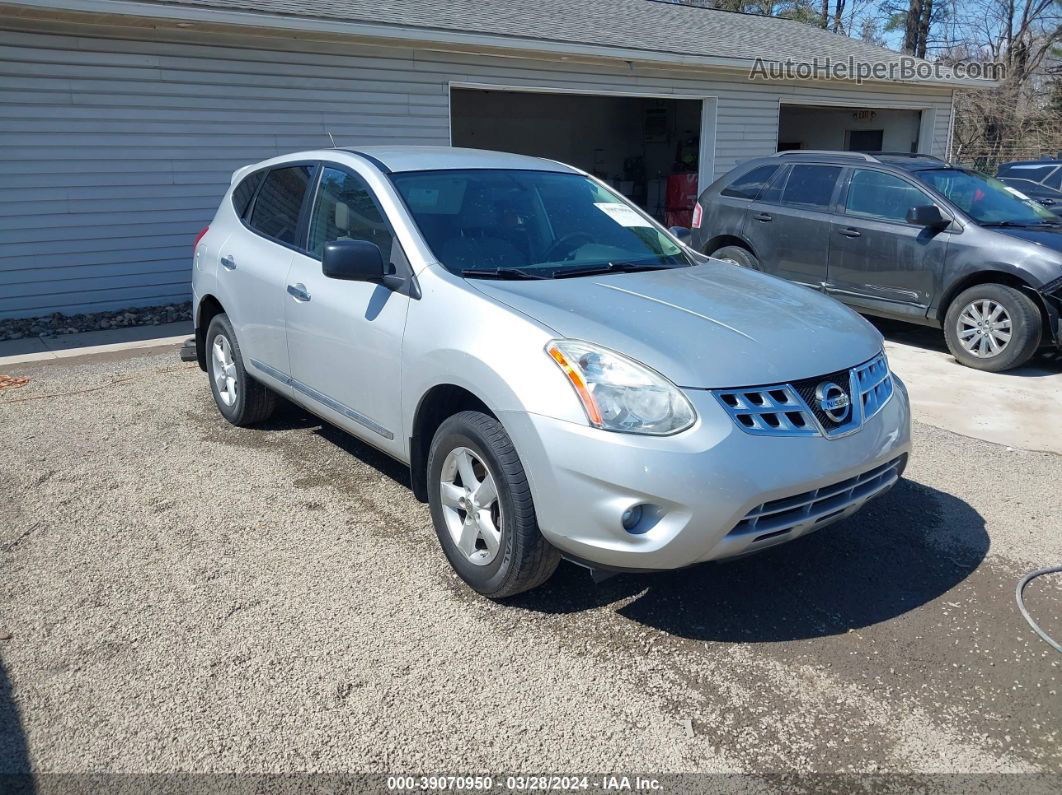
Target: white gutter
[[370, 30]]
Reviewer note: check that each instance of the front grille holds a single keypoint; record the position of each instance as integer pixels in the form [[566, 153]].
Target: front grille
[[806, 389], [778, 517], [793, 409]]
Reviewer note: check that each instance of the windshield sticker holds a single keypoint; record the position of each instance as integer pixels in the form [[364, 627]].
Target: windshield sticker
[[621, 214]]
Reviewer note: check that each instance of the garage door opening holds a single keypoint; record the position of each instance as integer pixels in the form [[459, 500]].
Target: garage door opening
[[848, 129], [646, 148]]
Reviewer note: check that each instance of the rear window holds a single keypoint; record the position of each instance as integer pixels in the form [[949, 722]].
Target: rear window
[[1055, 180], [244, 192], [276, 210], [749, 186]]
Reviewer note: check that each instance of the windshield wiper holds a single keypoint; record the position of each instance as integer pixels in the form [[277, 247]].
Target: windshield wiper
[[613, 267], [501, 273], [1023, 224]]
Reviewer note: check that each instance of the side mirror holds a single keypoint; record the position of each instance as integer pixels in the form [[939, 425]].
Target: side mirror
[[353, 261], [683, 233], [1047, 202], [927, 215]]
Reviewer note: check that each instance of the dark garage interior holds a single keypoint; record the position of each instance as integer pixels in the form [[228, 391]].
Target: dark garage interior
[[645, 147]]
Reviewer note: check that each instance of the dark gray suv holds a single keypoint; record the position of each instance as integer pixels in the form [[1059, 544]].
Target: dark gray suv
[[909, 237]]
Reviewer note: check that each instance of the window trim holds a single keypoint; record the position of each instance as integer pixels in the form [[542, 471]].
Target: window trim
[[300, 226], [842, 198]]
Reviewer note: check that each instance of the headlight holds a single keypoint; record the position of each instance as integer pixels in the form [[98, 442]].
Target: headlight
[[618, 393]]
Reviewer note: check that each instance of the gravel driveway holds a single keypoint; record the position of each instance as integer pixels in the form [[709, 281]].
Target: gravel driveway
[[183, 595]]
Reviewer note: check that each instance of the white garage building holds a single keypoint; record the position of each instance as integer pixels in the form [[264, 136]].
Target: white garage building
[[121, 122]]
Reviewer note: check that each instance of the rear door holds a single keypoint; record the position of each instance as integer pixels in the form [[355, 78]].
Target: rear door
[[254, 264], [878, 261], [789, 226]]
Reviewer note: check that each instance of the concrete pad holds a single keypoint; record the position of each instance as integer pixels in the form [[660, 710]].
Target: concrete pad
[[113, 336], [93, 342], [1021, 408]]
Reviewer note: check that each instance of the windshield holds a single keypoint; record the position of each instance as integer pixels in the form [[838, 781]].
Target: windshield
[[512, 224], [985, 199]]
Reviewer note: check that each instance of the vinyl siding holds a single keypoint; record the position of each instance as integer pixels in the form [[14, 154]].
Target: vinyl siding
[[116, 144]]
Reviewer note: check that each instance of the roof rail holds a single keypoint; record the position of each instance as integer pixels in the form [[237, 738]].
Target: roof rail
[[910, 154], [829, 152]]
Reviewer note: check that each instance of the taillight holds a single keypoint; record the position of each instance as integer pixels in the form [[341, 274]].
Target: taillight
[[199, 237], [697, 212]]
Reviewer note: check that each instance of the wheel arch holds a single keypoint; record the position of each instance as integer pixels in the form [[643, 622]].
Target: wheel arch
[[719, 241], [208, 308], [435, 406], [994, 276]]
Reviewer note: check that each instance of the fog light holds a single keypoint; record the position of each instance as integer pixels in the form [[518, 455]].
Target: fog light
[[632, 517]]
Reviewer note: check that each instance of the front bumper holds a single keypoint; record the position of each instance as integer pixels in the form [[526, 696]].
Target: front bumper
[[708, 493]]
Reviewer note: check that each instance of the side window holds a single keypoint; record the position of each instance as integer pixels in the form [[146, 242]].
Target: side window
[[749, 186], [276, 210], [1055, 180], [345, 210], [810, 186], [874, 194], [244, 192]]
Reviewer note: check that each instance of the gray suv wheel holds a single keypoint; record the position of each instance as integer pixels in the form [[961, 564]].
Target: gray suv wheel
[[993, 327]]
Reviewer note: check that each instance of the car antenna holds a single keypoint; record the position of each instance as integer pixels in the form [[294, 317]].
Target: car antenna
[[330, 138]]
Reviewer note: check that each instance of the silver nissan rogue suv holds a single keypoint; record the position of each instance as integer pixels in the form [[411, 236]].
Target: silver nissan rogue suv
[[563, 376]]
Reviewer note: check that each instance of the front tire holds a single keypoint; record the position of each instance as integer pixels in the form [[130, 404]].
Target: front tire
[[240, 399], [736, 255], [482, 509], [993, 327]]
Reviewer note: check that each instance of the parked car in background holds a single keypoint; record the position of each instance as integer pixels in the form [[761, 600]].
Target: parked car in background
[[1046, 171], [909, 237], [545, 357], [1048, 197]]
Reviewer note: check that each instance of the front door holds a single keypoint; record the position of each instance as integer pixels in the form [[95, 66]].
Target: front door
[[878, 261], [789, 227], [345, 337]]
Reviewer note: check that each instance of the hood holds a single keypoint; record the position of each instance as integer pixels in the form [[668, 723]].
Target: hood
[[713, 325], [1048, 238]]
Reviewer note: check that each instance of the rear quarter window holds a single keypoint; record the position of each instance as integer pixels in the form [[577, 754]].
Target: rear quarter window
[[751, 184], [244, 192]]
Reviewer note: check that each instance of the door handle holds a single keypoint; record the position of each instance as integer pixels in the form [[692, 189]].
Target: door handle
[[850, 232], [298, 292], [228, 262], [764, 217]]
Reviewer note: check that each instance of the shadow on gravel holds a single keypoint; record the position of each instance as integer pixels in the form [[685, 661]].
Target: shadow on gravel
[[289, 416], [14, 752], [902, 550]]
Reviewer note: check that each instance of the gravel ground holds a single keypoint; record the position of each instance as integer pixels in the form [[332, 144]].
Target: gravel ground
[[181, 595]]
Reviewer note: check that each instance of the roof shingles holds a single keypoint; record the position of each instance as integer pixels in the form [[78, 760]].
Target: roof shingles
[[628, 24]]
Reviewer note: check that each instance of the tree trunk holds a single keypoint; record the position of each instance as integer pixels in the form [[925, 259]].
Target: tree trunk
[[923, 28], [825, 14], [910, 30]]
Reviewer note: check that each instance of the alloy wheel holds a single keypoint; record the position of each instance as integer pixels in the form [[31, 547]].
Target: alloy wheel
[[223, 369], [470, 505], [984, 328]]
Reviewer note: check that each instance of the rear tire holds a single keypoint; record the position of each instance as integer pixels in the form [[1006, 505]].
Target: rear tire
[[993, 327], [736, 255], [492, 540], [241, 400]]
